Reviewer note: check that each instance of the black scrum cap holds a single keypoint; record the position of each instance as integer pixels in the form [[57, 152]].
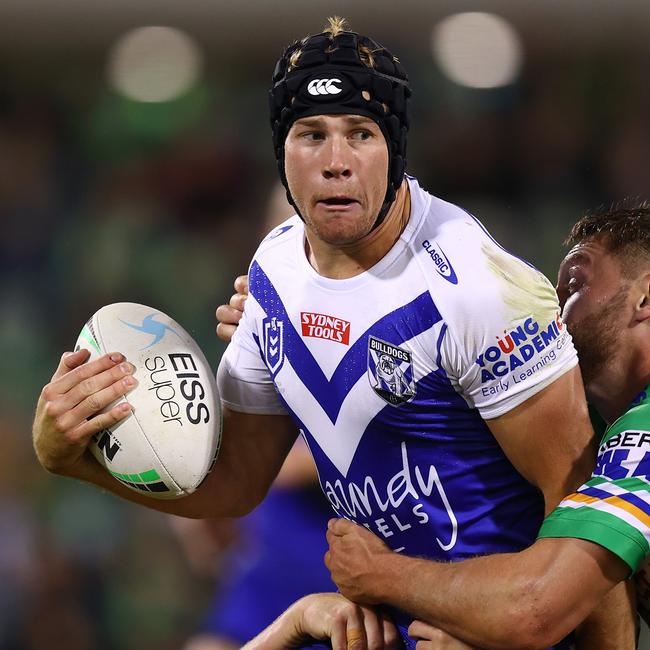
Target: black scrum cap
[[330, 74]]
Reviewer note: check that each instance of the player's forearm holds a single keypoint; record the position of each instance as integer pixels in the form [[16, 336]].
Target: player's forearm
[[525, 600], [469, 604], [613, 624], [198, 505]]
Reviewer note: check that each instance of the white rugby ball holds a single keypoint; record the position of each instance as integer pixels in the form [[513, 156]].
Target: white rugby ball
[[167, 445]]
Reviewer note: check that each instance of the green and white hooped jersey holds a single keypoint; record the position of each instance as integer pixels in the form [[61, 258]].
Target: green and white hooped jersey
[[613, 508]]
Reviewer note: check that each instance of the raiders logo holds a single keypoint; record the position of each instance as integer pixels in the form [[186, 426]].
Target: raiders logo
[[390, 372], [273, 343]]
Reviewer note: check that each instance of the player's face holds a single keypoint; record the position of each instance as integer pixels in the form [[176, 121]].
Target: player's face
[[594, 298], [337, 168]]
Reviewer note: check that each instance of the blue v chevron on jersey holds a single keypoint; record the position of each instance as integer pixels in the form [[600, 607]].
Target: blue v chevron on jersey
[[403, 323], [396, 419]]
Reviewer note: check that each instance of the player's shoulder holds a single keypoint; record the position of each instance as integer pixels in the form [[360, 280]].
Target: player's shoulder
[[458, 248], [278, 240]]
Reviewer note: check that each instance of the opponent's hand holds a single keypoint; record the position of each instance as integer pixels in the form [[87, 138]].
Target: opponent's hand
[[429, 637], [329, 616], [355, 555], [349, 626], [229, 315], [78, 391]]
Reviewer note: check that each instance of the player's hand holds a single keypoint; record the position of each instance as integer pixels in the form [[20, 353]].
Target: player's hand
[[354, 557], [349, 626], [229, 315], [429, 637], [78, 391]]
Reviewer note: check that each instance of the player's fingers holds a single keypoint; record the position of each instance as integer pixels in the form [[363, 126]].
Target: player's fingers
[[71, 378], [339, 526], [228, 315], [238, 301], [88, 387], [418, 629], [69, 361], [241, 284], [373, 629], [89, 428], [226, 332], [93, 404], [354, 632], [338, 636], [392, 640]]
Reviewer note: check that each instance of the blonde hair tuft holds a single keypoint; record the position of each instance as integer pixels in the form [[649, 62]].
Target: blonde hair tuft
[[336, 25]]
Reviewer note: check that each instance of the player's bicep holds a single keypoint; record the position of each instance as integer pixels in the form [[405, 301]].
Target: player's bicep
[[549, 438]]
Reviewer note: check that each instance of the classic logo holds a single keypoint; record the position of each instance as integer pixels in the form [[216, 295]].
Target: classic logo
[[324, 87], [322, 326], [390, 371], [152, 327], [273, 343], [443, 265], [277, 232]]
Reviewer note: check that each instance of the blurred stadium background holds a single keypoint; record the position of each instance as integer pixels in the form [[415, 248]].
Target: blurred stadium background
[[136, 164]]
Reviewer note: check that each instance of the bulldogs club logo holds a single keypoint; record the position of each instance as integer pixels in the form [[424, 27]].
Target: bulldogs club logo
[[273, 343], [390, 371]]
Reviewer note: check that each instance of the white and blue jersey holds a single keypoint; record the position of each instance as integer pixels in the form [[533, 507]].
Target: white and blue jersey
[[389, 376]]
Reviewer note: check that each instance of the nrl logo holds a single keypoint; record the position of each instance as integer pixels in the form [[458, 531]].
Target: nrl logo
[[273, 343], [390, 371]]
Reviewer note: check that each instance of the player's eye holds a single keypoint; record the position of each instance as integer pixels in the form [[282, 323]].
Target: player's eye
[[573, 284], [312, 136], [362, 134]]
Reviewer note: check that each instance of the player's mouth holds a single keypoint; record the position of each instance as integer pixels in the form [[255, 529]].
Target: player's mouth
[[337, 203]]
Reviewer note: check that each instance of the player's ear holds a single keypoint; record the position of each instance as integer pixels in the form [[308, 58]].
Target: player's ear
[[642, 304]]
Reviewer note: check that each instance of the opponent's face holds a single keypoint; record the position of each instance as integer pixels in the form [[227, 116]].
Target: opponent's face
[[337, 171], [594, 297]]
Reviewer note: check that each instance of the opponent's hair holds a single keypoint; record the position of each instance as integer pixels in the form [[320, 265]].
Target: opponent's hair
[[341, 72], [623, 228]]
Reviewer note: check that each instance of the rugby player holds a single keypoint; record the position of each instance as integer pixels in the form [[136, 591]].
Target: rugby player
[[599, 535], [481, 427]]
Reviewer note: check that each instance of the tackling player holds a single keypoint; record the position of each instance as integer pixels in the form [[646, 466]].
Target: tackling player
[[489, 427], [598, 535]]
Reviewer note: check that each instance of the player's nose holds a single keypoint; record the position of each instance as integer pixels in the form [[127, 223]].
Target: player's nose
[[336, 160]]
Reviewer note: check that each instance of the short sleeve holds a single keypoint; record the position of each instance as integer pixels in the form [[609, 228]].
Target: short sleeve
[[244, 382], [506, 339], [613, 508]]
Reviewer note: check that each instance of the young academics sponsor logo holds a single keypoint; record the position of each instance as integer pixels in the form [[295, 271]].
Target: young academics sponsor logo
[[390, 371], [518, 346], [273, 343], [442, 263], [322, 326]]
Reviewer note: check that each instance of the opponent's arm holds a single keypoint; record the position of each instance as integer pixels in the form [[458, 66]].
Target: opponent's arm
[[549, 439], [503, 600], [253, 447], [527, 600]]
